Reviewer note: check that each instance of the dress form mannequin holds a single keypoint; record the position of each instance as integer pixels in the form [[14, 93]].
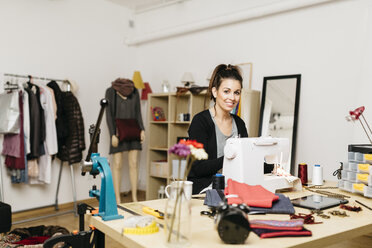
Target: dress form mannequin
[[124, 104], [118, 165]]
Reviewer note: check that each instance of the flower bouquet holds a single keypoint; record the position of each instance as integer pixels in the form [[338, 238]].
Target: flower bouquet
[[178, 211]]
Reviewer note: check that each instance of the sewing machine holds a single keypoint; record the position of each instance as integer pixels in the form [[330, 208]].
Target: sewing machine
[[244, 160]]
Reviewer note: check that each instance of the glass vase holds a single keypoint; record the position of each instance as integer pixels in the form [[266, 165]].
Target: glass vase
[[178, 216]]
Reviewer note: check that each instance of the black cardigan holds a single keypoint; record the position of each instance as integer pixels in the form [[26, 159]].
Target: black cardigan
[[202, 129]]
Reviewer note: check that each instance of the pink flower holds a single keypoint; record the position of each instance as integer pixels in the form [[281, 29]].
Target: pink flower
[[180, 150]]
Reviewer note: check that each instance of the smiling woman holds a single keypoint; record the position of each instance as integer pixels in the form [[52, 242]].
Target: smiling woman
[[214, 126]]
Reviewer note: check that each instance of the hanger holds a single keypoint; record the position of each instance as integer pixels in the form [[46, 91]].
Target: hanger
[[68, 85], [9, 85], [29, 83]]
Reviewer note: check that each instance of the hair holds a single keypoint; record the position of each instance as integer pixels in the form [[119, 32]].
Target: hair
[[222, 72]]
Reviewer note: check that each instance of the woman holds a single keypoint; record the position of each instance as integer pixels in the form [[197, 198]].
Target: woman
[[214, 126]]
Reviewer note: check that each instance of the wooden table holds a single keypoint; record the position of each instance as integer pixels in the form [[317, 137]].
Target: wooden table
[[204, 234]]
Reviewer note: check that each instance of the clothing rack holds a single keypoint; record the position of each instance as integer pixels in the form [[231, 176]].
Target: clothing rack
[[74, 210], [38, 78], [28, 76]]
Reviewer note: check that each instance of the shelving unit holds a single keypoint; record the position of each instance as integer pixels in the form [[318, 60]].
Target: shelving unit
[[164, 134]]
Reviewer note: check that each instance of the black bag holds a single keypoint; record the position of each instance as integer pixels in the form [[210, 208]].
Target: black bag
[[5, 217]]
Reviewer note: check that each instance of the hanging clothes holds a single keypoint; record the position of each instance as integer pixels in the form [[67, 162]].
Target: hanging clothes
[[74, 144], [26, 130], [51, 123], [26, 121], [44, 170], [70, 125], [61, 121], [14, 150], [37, 122], [47, 104]]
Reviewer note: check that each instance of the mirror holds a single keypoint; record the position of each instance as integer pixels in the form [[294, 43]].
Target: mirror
[[279, 111]]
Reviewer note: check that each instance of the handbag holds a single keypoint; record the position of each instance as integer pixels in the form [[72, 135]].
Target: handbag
[[9, 114], [127, 129]]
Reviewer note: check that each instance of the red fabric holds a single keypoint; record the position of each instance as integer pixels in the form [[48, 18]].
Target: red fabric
[[32, 240], [254, 196], [147, 90], [286, 234], [279, 228]]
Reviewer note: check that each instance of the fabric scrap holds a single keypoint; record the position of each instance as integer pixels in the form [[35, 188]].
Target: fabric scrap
[[282, 206], [253, 196]]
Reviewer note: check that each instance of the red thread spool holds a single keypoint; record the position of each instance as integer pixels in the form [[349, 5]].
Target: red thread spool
[[302, 172]]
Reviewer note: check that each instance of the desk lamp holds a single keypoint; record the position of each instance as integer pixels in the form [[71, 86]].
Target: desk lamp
[[355, 115], [137, 80], [187, 79]]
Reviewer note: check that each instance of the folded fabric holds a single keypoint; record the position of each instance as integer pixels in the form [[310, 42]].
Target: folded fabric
[[253, 196], [279, 228], [32, 240], [281, 206], [267, 233], [214, 197], [290, 225]]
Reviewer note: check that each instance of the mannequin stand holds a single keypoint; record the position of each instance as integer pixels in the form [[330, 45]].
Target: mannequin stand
[[73, 188], [133, 172]]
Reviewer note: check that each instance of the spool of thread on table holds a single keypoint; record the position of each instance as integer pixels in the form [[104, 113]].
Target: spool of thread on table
[[317, 175], [302, 173], [218, 182]]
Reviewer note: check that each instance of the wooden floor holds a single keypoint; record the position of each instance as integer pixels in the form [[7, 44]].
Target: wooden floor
[[71, 222], [68, 220]]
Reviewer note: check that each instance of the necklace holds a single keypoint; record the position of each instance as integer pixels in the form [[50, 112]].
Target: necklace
[[319, 190]]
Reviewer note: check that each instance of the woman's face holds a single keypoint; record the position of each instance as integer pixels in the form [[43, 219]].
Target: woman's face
[[228, 94]]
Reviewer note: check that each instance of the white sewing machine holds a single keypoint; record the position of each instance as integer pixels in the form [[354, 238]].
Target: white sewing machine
[[244, 161]]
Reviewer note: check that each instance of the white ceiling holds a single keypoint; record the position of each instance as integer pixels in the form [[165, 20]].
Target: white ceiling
[[143, 5], [132, 4]]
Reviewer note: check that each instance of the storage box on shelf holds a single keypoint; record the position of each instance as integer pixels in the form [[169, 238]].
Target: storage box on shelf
[[356, 175], [178, 112], [159, 168]]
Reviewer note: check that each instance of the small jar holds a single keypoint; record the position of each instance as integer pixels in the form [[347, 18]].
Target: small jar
[[161, 192], [165, 86]]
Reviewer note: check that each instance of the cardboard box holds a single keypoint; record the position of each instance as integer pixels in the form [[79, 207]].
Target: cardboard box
[[159, 168]]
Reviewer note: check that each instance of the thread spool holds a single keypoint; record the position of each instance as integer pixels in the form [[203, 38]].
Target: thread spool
[[218, 181], [302, 173], [317, 175]]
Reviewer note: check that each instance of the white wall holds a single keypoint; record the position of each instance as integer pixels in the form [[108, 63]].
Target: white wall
[[80, 40], [329, 44]]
